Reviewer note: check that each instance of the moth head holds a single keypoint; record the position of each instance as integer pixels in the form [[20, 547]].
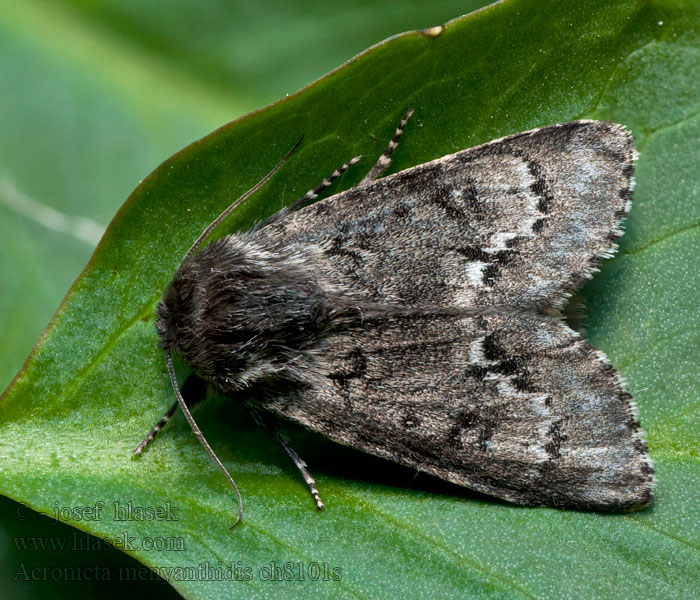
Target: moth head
[[180, 312], [240, 314]]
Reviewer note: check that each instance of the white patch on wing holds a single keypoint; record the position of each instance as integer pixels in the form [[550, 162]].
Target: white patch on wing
[[476, 352], [475, 272], [539, 405], [499, 241]]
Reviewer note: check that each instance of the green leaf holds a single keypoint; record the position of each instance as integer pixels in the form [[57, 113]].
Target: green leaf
[[96, 382]]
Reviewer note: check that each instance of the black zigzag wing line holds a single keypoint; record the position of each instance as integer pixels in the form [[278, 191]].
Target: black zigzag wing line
[[519, 407], [523, 220]]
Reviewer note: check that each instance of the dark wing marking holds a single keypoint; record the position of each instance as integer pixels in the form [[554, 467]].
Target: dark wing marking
[[520, 221], [516, 406]]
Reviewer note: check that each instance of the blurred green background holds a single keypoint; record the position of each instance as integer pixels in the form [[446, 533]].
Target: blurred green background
[[94, 96]]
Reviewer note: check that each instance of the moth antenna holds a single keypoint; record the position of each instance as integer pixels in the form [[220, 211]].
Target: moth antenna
[[384, 161], [193, 425], [237, 202]]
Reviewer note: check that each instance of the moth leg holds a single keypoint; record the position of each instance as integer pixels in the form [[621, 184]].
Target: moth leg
[[311, 194], [194, 390], [384, 161], [296, 459], [301, 465]]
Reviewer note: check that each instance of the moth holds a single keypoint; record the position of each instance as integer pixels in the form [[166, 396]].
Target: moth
[[418, 317]]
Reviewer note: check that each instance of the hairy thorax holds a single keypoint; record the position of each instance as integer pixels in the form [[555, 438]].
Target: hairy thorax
[[241, 314]]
